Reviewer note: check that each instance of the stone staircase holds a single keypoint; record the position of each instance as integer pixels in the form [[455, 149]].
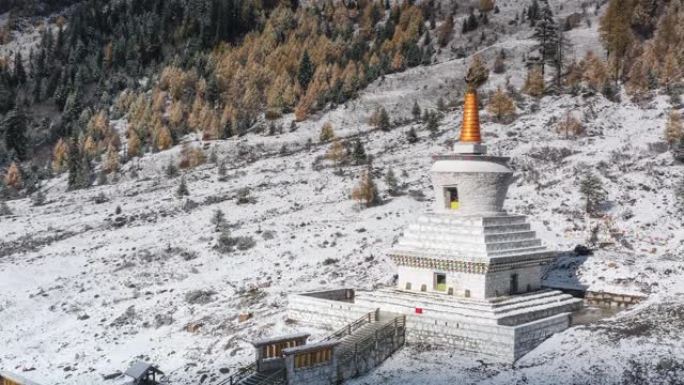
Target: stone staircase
[[363, 344], [265, 378], [349, 344]]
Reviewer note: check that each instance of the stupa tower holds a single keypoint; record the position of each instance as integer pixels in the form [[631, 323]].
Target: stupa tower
[[469, 273]]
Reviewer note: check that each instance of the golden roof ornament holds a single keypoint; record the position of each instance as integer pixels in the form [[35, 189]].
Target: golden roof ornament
[[477, 75]]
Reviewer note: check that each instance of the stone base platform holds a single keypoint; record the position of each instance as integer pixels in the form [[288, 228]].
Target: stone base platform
[[504, 328]]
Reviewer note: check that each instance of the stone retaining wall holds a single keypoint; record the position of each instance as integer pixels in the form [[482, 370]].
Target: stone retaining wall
[[490, 340], [322, 312], [530, 335], [611, 300]]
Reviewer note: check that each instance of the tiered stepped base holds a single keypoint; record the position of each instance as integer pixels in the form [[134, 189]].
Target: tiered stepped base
[[504, 328]]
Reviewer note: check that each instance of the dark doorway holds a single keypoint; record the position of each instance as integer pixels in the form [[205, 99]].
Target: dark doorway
[[452, 198], [440, 282], [514, 283]]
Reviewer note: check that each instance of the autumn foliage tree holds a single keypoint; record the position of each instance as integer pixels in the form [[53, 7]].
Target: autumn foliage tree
[[674, 132], [501, 106], [616, 34], [59, 156], [13, 177], [534, 82], [365, 191]]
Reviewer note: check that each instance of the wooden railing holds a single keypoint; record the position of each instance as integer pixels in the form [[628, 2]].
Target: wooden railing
[[276, 378], [395, 329], [240, 375], [352, 327]]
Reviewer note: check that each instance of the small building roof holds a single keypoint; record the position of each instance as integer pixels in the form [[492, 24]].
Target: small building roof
[[139, 369], [311, 347], [16, 378], [277, 339]]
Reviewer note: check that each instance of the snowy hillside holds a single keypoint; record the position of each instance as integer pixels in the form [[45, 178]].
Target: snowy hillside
[[97, 278]]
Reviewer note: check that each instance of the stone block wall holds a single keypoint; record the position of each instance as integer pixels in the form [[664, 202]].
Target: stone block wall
[[496, 341], [499, 282], [530, 335], [322, 373], [611, 300], [460, 282], [322, 312]]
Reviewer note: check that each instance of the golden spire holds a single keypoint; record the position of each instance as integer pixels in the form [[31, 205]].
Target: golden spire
[[470, 131]]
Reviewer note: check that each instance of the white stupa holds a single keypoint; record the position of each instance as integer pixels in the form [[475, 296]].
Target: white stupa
[[469, 274]]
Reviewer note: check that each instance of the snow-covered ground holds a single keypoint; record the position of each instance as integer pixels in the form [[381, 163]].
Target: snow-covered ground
[[86, 288]]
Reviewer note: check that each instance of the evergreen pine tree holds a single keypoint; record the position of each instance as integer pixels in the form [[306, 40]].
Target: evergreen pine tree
[[499, 63], [15, 127], [306, 71], [38, 198], [441, 106], [411, 135], [182, 189], [171, 170], [383, 120], [392, 183], [218, 220], [679, 194], [593, 192], [533, 12], [4, 209], [19, 71], [432, 122], [415, 111], [359, 152], [222, 171], [546, 34]]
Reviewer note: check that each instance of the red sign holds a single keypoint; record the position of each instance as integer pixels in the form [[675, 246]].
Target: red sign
[[419, 310]]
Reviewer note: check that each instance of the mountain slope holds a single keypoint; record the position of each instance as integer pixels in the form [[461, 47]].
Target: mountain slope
[[85, 288]]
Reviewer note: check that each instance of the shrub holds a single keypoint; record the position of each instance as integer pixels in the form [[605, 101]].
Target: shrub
[[570, 126], [327, 133], [244, 196], [4, 209], [38, 199], [227, 243], [191, 157]]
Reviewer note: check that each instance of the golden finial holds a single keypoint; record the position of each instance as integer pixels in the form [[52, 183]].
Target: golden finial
[[470, 131], [476, 76]]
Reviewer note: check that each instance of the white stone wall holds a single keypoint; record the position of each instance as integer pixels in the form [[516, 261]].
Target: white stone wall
[[324, 312], [478, 193], [499, 283], [530, 335], [460, 282]]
